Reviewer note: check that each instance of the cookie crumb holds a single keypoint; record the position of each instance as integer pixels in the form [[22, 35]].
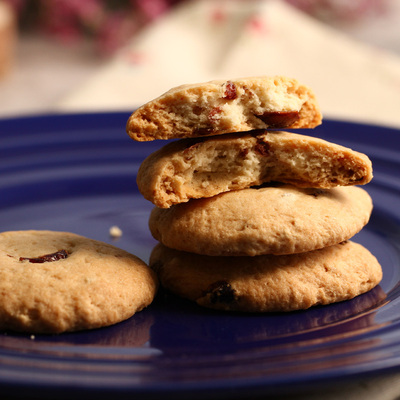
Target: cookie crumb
[[115, 232]]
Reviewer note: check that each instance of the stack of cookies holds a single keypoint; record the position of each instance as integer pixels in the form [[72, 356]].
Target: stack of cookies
[[249, 217]]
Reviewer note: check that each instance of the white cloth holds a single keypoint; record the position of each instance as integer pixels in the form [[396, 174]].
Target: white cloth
[[207, 39]]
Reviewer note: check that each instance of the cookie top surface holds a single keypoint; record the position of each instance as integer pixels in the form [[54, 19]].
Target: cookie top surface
[[268, 283], [268, 220], [219, 107], [53, 282], [197, 168]]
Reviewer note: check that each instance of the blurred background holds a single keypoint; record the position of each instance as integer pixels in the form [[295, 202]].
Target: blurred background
[[98, 55]]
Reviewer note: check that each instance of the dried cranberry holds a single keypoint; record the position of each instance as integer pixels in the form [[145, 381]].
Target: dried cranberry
[[206, 131], [243, 152], [262, 148], [58, 255], [214, 113], [279, 119], [222, 292], [230, 91]]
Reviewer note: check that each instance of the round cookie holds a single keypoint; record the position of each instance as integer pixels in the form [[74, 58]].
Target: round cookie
[[52, 282], [268, 220], [195, 168], [268, 283], [224, 106]]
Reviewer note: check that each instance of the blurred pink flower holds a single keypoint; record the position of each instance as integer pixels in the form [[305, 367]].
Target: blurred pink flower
[[114, 32], [108, 23], [17, 5], [258, 26], [341, 10], [154, 8]]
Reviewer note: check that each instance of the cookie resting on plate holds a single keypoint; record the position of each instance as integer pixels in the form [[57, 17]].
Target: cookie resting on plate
[[52, 282], [225, 106], [268, 283], [281, 219], [197, 168]]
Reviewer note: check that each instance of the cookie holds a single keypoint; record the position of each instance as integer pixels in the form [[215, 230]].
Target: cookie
[[266, 220], [268, 283], [218, 107], [52, 282], [196, 168]]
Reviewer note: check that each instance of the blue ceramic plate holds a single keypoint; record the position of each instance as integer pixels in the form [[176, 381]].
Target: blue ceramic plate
[[77, 173]]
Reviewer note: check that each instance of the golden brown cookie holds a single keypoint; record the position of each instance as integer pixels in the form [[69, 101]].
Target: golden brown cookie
[[196, 168], [268, 220], [218, 107], [53, 282], [268, 283]]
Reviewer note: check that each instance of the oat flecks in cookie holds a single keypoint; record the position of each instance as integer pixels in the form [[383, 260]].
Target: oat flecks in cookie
[[219, 107], [269, 283], [197, 168], [52, 282], [274, 219]]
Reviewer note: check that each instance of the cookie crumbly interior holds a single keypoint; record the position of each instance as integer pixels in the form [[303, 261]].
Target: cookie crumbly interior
[[208, 167], [219, 107]]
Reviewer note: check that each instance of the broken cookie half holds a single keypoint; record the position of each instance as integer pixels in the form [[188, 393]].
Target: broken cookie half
[[197, 168], [225, 106]]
